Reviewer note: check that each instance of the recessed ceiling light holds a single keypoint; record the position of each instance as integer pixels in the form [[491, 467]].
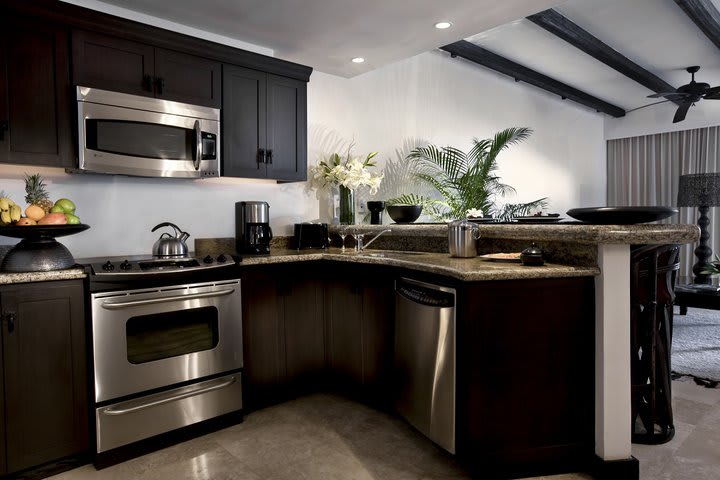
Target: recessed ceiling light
[[358, 60], [443, 25]]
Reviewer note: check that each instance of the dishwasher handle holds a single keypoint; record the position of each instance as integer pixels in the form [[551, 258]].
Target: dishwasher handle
[[425, 294]]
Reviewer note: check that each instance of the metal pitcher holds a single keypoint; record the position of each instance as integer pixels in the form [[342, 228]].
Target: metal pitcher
[[462, 238]]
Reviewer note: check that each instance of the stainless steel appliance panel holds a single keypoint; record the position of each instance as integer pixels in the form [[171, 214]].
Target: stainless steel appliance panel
[[152, 338], [126, 422], [425, 359], [184, 139]]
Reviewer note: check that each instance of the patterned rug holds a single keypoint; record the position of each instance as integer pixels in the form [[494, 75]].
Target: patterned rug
[[696, 345]]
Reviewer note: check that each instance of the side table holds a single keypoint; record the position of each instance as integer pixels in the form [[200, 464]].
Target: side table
[[688, 294]]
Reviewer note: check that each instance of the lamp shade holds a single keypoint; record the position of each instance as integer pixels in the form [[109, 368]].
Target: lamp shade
[[699, 190]]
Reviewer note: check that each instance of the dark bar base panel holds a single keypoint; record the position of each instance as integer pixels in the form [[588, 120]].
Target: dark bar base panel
[[615, 469]]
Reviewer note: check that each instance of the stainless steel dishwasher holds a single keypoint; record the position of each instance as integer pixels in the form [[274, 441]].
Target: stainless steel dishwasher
[[425, 359]]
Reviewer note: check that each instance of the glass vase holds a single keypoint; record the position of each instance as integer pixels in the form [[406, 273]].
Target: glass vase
[[347, 206]]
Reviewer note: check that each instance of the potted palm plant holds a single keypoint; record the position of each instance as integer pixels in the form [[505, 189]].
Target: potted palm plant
[[467, 181]]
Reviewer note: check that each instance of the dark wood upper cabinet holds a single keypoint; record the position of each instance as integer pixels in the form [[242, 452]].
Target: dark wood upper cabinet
[[35, 103], [264, 121], [126, 66], [44, 363]]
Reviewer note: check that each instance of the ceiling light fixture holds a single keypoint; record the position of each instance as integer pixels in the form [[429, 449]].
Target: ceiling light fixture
[[443, 25], [358, 60]]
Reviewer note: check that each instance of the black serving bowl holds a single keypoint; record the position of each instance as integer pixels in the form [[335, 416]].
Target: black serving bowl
[[404, 213]]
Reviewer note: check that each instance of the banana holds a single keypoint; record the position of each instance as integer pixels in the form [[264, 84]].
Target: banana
[[5, 218], [5, 204], [15, 212]]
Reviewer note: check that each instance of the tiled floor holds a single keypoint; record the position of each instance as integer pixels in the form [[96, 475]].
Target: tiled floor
[[324, 437]]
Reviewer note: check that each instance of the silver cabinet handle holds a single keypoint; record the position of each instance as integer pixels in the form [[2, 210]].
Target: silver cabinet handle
[[119, 410], [198, 145], [111, 305]]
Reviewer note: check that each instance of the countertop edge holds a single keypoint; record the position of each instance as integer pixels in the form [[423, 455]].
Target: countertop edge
[[646, 233], [7, 278], [470, 269]]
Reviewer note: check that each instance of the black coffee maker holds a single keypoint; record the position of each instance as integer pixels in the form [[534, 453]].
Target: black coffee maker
[[252, 227]]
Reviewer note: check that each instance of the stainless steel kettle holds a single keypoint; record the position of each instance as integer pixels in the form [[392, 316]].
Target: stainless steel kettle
[[462, 237], [169, 246]]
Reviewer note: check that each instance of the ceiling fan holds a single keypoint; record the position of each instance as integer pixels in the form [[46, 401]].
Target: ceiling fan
[[687, 95]]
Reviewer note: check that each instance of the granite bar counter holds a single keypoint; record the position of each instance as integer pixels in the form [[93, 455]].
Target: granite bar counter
[[571, 248]]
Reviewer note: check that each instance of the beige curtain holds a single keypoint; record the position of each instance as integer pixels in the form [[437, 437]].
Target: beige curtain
[[644, 171]]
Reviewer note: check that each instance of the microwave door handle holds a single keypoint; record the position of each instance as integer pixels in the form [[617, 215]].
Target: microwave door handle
[[198, 145]]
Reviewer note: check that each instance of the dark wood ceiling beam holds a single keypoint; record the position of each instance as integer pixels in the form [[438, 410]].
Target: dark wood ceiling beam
[[705, 16], [486, 58], [564, 28]]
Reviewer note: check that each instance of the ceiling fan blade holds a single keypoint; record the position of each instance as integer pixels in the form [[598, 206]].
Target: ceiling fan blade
[[662, 94], [681, 112], [712, 93], [645, 106]]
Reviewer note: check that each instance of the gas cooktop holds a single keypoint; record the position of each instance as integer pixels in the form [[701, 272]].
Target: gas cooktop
[[155, 265]]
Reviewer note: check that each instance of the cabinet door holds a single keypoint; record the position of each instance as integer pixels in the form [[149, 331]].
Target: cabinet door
[[44, 357], [287, 128], [263, 342], [243, 122], [378, 335], [187, 78], [36, 107], [304, 332], [111, 63], [344, 331]]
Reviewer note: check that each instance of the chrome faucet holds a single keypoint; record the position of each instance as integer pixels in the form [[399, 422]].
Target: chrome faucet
[[359, 246]]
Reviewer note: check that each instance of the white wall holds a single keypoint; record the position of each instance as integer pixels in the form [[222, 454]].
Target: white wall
[[429, 97], [433, 98]]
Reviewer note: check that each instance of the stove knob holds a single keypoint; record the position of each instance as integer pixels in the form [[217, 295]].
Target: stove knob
[[221, 258], [208, 259], [125, 265], [108, 267]]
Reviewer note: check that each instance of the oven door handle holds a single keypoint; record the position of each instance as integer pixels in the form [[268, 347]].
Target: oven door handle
[[110, 305], [118, 410]]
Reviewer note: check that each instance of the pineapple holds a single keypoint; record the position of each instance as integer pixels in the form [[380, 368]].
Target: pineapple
[[37, 197]]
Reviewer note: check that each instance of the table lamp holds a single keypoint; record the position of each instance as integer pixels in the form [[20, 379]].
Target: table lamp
[[700, 190]]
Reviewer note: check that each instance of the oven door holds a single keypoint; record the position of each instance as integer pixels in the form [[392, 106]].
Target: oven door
[[149, 339], [125, 134]]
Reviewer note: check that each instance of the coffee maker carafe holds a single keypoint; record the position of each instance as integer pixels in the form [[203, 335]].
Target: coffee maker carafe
[[252, 227]]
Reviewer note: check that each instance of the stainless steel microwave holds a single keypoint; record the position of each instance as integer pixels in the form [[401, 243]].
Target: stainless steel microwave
[[148, 137]]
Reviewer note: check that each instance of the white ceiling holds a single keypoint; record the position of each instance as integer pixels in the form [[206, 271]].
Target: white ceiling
[[326, 34]]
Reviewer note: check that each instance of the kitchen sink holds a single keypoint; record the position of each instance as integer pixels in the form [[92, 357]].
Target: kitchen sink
[[392, 254]]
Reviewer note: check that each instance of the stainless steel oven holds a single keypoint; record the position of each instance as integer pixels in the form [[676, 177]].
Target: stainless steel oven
[[165, 357]]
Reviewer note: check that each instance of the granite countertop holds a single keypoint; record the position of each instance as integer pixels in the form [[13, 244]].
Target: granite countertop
[[465, 269], [646, 233], [26, 277]]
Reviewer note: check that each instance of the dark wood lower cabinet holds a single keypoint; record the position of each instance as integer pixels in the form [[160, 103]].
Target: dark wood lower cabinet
[[283, 335], [524, 354], [359, 317], [44, 364]]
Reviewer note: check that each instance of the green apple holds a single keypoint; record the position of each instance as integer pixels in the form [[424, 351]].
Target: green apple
[[57, 209], [67, 205], [72, 219]]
